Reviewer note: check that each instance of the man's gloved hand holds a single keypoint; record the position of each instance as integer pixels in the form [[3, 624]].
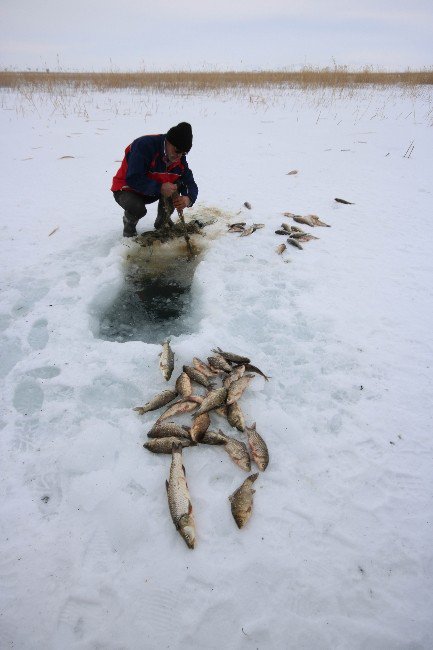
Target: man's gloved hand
[[181, 202]]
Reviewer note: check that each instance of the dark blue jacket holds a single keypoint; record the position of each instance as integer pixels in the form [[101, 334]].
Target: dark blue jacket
[[145, 167]]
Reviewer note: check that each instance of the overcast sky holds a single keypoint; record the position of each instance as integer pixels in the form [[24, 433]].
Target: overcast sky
[[225, 34]]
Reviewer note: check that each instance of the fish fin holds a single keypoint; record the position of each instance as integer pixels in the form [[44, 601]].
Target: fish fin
[[139, 409], [166, 486]]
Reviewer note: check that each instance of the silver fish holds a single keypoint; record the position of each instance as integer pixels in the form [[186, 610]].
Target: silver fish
[[236, 389], [250, 368], [199, 427], [197, 376], [234, 375], [235, 416], [344, 201], [179, 407], [214, 438], [257, 226], [168, 429], [282, 231], [183, 385], [247, 205], [213, 400], [202, 367], [280, 249], [179, 501], [259, 450], [231, 356], [317, 221], [238, 452], [166, 362], [294, 242], [165, 445], [241, 501], [156, 402], [247, 231], [217, 361], [305, 220]]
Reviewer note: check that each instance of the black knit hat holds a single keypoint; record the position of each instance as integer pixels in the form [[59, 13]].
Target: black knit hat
[[180, 136]]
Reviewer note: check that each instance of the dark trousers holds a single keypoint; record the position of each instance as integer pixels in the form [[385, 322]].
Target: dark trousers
[[134, 206]]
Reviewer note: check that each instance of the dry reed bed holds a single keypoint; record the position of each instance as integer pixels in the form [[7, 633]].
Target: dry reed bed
[[211, 81]]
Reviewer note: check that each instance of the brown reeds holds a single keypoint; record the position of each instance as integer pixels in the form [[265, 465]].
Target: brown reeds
[[338, 77]]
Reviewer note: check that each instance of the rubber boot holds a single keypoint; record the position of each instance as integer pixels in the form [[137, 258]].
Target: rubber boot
[[129, 225]]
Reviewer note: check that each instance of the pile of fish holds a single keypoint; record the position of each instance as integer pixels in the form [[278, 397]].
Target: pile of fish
[[234, 373], [295, 234]]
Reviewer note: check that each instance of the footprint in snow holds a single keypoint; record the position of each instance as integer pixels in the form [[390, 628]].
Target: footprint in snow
[[38, 335], [28, 397]]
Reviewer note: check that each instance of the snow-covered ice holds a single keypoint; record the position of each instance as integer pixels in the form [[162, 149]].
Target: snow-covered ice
[[338, 552]]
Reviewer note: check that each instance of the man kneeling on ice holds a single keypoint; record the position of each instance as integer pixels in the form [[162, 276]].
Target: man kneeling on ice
[[155, 169]]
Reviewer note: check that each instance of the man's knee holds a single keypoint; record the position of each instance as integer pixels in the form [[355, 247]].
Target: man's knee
[[131, 202]]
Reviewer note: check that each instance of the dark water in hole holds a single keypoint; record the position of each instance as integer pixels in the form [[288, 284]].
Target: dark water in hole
[[154, 302]]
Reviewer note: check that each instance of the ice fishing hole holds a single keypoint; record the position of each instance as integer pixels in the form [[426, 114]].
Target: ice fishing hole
[[155, 299]]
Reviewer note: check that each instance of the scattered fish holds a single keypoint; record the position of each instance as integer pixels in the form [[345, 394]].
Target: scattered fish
[[183, 385], [213, 400], [218, 361], [286, 227], [294, 171], [247, 231], [179, 500], [306, 220], [238, 452], [235, 228], [238, 224], [166, 362], [235, 416], [250, 368], [204, 368], [344, 201], [282, 231], [199, 427], [197, 376], [247, 205], [214, 438], [234, 375], [165, 445], [257, 226], [304, 237], [259, 450], [281, 248], [231, 356], [168, 429], [294, 242], [317, 221], [178, 408], [237, 387], [241, 501], [311, 220], [156, 402]]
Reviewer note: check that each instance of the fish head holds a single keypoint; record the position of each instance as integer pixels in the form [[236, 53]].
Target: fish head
[[187, 530]]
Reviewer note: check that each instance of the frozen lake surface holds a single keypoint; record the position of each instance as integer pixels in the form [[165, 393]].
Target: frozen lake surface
[[338, 551]]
